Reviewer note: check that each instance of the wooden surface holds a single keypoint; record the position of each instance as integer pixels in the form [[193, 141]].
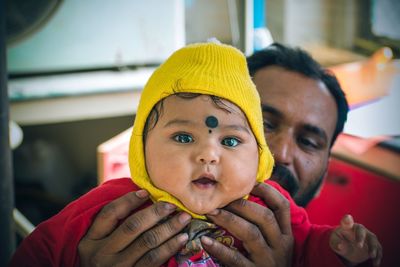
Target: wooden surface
[[367, 155]]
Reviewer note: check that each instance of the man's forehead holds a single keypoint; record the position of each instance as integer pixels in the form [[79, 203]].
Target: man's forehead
[[278, 80], [300, 100]]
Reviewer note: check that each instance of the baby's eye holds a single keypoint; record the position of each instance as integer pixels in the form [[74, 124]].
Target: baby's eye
[[230, 142], [183, 138]]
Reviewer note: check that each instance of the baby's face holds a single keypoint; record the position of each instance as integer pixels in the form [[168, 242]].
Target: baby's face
[[203, 155]]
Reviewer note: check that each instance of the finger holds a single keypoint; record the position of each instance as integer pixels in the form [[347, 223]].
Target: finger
[[248, 233], [339, 243], [360, 234], [227, 256], [156, 236], [260, 216], [374, 248], [378, 259], [277, 203], [160, 255], [136, 224], [108, 217]]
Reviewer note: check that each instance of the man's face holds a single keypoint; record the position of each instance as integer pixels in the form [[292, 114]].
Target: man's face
[[300, 117]]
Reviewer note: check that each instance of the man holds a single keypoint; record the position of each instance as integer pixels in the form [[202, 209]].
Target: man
[[304, 111]]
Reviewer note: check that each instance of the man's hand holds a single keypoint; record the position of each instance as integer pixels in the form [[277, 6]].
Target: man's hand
[[139, 240], [354, 243], [266, 233]]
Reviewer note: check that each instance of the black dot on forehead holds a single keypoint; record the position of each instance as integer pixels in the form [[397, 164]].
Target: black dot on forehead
[[211, 121]]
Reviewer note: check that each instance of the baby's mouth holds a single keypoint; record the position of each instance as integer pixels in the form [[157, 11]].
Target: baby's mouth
[[205, 181]]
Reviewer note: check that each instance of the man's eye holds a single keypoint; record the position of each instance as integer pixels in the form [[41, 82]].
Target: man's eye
[[268, 126], [230, 142], [183, 138], [308, 143]]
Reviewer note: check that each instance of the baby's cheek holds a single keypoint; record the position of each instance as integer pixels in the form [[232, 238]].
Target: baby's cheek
[[240, 188], [163, 183]]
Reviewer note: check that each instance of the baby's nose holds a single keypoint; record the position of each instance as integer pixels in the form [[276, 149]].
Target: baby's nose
[[208, 154]]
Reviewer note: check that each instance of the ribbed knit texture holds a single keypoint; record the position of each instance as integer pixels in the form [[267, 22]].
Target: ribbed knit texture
[[205, 68]]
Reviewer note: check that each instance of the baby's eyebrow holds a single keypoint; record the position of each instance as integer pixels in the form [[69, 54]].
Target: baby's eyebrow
[[236, 127], [178, 122]]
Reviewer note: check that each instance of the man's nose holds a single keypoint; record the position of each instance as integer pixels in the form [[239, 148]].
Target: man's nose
[[208, 154], [282, 147]]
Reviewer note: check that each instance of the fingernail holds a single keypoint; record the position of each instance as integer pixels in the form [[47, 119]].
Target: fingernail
[[184, 217], [142, 193], [206, 240], [169, 206], [214, 212], [182, 238]]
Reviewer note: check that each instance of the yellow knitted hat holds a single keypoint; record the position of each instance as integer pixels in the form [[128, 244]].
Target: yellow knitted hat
[[205, 68]]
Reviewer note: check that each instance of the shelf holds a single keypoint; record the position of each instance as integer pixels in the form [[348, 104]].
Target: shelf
[[74, 97]]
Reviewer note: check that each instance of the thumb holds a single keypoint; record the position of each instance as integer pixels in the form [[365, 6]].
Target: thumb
[[347, 222], [339, 238]]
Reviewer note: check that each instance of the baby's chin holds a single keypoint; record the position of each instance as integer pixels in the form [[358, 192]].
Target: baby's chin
[[204, 205], [205, 208]]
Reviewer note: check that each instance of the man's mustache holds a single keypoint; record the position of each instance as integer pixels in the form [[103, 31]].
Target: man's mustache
[[285, 178]]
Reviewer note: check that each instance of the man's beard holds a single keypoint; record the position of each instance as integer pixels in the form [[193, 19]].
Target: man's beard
[[286, 179]]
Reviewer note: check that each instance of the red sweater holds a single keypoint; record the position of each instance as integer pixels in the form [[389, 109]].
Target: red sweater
[[55, 241]]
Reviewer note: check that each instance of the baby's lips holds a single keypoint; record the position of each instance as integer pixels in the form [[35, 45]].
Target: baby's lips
[[205, 180]]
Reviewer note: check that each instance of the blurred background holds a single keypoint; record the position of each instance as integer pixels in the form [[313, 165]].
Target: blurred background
[[76, 69]]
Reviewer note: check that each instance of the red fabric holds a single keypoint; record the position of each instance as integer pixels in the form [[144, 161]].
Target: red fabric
[[372, 199], [55, 241]]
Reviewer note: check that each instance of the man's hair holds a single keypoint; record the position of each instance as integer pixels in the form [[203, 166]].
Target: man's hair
[[298, 60]]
